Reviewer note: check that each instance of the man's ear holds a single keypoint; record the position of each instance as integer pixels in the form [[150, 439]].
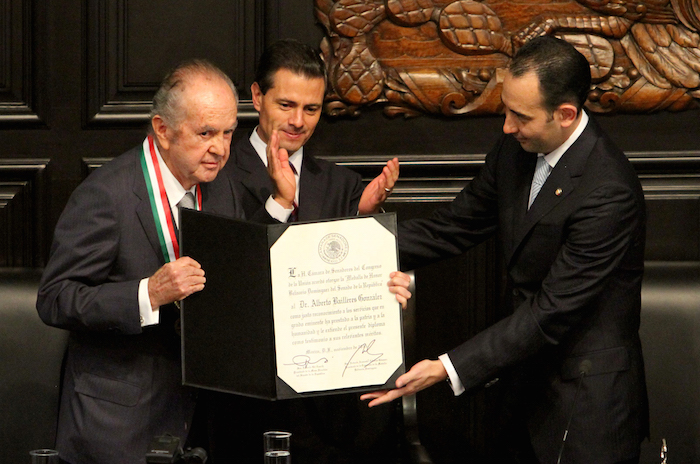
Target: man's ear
[[257, 95], [160, 130], [568, 114]]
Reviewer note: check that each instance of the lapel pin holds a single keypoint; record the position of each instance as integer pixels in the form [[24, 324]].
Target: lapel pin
[[558, 192]]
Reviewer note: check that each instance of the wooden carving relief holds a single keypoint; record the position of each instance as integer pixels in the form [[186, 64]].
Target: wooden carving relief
[[449, 56]]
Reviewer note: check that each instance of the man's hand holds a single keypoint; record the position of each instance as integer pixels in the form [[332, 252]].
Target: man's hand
[[421, 376], [378, 190], [280, 172], [175, 281], [398, 284]]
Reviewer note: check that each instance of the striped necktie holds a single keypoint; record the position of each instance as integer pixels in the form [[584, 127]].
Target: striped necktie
[[542, 171]]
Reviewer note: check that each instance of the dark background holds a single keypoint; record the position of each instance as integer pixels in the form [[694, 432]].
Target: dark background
[[76, 80]]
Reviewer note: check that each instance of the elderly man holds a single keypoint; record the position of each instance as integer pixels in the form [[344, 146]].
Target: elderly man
[[568, 210], [115, 272]]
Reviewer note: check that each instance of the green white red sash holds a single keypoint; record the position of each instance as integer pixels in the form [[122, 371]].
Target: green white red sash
[[159, 201]]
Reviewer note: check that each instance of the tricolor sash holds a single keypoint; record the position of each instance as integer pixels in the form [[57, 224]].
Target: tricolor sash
[[160, 206]]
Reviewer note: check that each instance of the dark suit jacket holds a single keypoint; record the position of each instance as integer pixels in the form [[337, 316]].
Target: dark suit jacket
[[325, 190], [122, 383], [575, 262], [335, 429]]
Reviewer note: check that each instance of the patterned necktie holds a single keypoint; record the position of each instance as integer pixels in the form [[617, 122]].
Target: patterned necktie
[[295, 212], [187, 201], [541, 173]]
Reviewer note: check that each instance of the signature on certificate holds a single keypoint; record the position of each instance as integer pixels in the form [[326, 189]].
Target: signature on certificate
[[363, 355], [305, 361]]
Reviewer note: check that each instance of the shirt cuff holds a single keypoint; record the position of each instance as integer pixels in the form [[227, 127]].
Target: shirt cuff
[[452, 377], [149, 316], [277, 211]]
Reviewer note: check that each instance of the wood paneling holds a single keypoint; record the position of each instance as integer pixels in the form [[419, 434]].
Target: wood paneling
[[131, 44], [22, 212], [18, 73]]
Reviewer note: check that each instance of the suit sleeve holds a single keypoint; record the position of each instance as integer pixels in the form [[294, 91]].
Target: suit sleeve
[[471, 218], [593, 265], [78, 290]]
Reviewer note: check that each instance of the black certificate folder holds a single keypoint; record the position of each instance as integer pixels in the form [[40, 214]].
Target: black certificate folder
[[291, 310]]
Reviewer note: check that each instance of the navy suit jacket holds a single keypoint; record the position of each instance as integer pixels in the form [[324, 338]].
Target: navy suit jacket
[[122, 384], [575, 262]]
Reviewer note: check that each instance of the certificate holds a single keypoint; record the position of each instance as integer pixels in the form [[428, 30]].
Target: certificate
[[336, 323], [291, 310]]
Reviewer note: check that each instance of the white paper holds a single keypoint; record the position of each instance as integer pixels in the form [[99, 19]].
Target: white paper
[[336, 323]]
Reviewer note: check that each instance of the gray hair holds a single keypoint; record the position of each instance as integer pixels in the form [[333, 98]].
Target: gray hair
[[167, 100]]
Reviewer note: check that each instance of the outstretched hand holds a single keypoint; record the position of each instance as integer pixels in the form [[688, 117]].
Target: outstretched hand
[[421, 376], [280, 172], [380, 188]]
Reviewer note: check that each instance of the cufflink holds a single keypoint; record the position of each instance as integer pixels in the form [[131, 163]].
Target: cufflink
[[558, 192]]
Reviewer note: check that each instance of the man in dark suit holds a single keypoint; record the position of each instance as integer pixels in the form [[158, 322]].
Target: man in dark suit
[[115, 272], [570, 350], [288, 93]]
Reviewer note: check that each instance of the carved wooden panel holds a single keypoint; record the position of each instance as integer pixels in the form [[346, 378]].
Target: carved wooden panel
[[19, 53], [448, 56], [131, 45], [22, 212]]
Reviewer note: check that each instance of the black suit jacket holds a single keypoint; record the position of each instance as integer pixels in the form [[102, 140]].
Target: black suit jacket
[[335, 429], [575, 262], [122, 384], [325, 190]]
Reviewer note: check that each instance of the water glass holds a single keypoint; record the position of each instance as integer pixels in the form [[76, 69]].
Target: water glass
[[277, 447], [44, 456]]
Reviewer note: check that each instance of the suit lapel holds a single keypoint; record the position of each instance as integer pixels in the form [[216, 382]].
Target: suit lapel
[[256, 179], [311, 189], [143, 209], [515, 200], [558, 186]]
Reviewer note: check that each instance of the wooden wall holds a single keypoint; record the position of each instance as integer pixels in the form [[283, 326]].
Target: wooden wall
[[76, 80]]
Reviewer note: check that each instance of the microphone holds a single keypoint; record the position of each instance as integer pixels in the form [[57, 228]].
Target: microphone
[[583, 369]]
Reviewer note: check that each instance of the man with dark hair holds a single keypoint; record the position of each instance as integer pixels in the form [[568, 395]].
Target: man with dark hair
[[288, 94], [115, 273], [568, 210]]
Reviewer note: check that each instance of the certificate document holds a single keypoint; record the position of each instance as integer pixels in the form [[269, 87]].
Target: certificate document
[[336, 323]]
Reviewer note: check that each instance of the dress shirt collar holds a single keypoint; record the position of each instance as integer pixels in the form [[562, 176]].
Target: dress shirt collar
[[173, 188], [261, 149], [553, 157]]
